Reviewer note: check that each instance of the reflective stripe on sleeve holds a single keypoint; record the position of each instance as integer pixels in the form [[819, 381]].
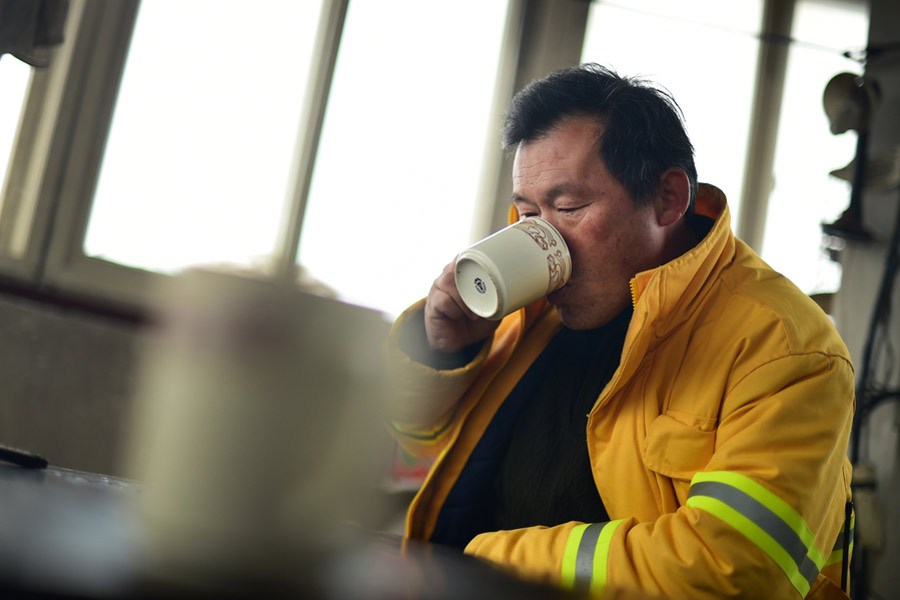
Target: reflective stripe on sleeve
[[764, 519], [585, 556]]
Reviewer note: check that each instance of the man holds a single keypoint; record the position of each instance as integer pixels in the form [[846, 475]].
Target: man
[[673, 422]]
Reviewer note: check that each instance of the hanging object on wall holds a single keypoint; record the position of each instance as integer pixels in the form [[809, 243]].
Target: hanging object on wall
[[850, 102], [30, 29], [882, 172]]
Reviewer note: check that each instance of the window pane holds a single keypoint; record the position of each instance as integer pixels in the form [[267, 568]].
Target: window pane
[[393, 192], [197, 162], [805, 195], [14, 78], [704, 52]]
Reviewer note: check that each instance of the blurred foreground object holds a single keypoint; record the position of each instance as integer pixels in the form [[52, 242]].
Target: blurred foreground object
[[71, 535], [257, 450], [256, 434]]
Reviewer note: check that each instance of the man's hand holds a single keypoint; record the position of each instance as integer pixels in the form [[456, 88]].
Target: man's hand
[[449, 324]]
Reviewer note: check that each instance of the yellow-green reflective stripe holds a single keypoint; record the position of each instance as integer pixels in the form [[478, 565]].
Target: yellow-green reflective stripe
[[767, 520], [570, 555], [585, 556], [764, 519], [756, 535], [601, 556], [778, 506]]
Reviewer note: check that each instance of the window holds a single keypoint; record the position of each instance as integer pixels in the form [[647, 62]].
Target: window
[[186, 129], [197, 162], [709, 70], [168, 134], [396, 176], [14, 76], [805, 195]]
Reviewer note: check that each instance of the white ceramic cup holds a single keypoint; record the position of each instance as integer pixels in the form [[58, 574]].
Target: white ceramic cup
[[512, 268]]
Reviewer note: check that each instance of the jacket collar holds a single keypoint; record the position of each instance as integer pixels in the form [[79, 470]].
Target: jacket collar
[[675, 287]]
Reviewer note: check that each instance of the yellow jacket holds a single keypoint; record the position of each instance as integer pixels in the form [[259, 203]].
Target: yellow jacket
[[718, 446]]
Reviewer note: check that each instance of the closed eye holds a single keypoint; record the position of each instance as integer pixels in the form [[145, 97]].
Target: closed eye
[[526, 210]]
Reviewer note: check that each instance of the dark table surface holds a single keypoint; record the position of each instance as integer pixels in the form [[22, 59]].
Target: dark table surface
[[72, 534]]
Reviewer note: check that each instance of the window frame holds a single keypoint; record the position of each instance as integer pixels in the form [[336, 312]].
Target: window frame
[[56, 160]]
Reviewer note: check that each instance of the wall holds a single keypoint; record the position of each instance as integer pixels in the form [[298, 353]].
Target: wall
[[65, 383], [863, 268]]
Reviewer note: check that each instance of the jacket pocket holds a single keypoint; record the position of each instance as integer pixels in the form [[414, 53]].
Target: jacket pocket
[[678, 444]]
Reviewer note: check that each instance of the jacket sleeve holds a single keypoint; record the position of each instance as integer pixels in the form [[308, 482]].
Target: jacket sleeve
[[423, 401], [762, 518]]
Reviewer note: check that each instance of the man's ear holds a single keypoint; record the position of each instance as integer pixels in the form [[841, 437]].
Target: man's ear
[[673, 198]]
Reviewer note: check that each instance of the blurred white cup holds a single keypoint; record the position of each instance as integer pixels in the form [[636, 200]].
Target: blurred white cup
[[256, 433], [512, 268]]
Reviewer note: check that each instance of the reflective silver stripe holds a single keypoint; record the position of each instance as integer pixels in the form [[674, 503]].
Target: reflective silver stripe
[[584, 561], [765, 519]]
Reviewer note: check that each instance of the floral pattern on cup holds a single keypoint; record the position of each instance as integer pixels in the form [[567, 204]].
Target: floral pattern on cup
[[556, 263], [540, 234], [545, 238]]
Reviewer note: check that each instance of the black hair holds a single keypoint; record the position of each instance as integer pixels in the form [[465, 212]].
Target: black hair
[[643, 131]]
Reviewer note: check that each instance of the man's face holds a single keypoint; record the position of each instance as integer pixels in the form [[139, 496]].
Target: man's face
[[561, 178]]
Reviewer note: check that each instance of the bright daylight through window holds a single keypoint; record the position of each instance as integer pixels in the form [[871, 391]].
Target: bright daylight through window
[[805, 195], [14, 76], [197, 162], [711, 75], [394, 190]]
